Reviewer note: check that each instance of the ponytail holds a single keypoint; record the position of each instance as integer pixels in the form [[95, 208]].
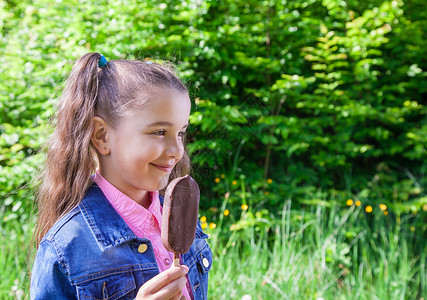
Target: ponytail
[[70, 156]]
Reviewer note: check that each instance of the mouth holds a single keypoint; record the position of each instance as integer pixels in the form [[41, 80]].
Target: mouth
[[163, 168]]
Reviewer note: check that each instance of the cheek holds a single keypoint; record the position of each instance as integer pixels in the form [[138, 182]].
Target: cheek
[[181, 150]]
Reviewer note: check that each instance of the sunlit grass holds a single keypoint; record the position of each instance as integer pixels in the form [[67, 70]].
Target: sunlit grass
[[15, 240], [329, 252]]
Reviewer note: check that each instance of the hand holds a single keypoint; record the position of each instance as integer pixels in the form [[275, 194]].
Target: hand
[[164, 286]]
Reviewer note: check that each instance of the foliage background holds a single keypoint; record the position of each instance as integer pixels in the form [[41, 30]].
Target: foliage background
[[323, 97]]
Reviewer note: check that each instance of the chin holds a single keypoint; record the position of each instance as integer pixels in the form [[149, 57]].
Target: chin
[[163, 182]]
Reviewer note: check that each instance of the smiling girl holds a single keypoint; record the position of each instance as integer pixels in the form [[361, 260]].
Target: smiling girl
[[118, 140]]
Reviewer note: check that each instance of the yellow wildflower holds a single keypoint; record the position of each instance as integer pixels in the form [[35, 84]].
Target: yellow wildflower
[[222, 176], [412, 228], [368, 209], [203, 219], [226, 212], [349, 202], [204, 225], [266, 193], [425, 207], [212, 225], [217, 180], [383, 207], [358, 203], [244, 207], [269, 180], [234, 182], [385, 213]]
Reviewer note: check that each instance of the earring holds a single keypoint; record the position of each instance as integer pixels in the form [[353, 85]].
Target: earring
[[105, 148]]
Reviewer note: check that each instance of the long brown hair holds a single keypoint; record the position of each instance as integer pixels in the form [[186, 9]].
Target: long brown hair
[[108, 92]]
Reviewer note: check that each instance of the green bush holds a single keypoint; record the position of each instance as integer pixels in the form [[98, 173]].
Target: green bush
[[321, 96]]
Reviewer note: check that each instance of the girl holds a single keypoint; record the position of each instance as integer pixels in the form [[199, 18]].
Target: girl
[[118, 140]]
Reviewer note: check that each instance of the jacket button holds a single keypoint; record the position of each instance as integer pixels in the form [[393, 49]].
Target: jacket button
[[205, 262], [167, 261], [142, 248]]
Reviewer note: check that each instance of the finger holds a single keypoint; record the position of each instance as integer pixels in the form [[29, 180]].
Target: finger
[[175, 287], [178, 296], [165, 278]]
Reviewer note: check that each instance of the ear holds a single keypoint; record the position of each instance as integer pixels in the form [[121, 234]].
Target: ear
[[99, 136]]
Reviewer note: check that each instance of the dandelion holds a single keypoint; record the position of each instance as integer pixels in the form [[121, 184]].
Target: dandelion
[[234, 182], [358, 203], [385, 213], [269, 181], [212, 225], [244, 207], [368, 209], [349, 202], [217, 180], [383, 207], [226, 212], [203, 219], [204, 225], [222, 176], [266, 193], [412, 228]]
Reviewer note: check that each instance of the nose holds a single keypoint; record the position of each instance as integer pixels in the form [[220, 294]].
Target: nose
[[175, 148]]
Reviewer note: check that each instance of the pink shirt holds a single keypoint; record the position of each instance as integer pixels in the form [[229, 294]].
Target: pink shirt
[[145, 223]]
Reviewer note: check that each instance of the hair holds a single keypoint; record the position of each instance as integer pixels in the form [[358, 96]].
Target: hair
[[108, 92]]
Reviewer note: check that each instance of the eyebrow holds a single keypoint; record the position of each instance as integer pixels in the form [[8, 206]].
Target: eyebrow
[[164, 123]]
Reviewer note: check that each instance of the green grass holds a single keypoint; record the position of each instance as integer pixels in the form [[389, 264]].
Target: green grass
[[320, 252], [329, 253], [15, 241]]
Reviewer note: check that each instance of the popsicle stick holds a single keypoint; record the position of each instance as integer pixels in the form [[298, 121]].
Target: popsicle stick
[[176, 260]]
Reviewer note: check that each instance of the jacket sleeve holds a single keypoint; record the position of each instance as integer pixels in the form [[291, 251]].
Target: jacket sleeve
[[48, 276]]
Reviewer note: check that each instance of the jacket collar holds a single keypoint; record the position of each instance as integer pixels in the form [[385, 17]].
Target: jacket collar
[[108, 228]]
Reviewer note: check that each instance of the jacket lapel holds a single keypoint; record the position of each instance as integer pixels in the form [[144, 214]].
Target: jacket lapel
[[108, 228]]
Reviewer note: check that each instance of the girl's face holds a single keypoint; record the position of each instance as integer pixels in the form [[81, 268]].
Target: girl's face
[[146, 145]]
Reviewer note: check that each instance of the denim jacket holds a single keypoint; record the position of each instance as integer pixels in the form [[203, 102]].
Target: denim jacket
[[92, 254]]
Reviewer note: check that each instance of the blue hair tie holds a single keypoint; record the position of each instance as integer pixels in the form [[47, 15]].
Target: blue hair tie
[[102, 61]]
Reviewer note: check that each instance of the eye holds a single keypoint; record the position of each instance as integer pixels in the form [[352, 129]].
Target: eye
[[159, 132]]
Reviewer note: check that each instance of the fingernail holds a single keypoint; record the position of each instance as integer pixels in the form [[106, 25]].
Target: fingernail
[[186, 269]]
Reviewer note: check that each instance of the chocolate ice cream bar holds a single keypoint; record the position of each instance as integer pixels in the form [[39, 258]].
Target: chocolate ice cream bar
[[180, 214]]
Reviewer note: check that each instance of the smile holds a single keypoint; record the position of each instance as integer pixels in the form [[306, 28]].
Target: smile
[[164, 168]]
